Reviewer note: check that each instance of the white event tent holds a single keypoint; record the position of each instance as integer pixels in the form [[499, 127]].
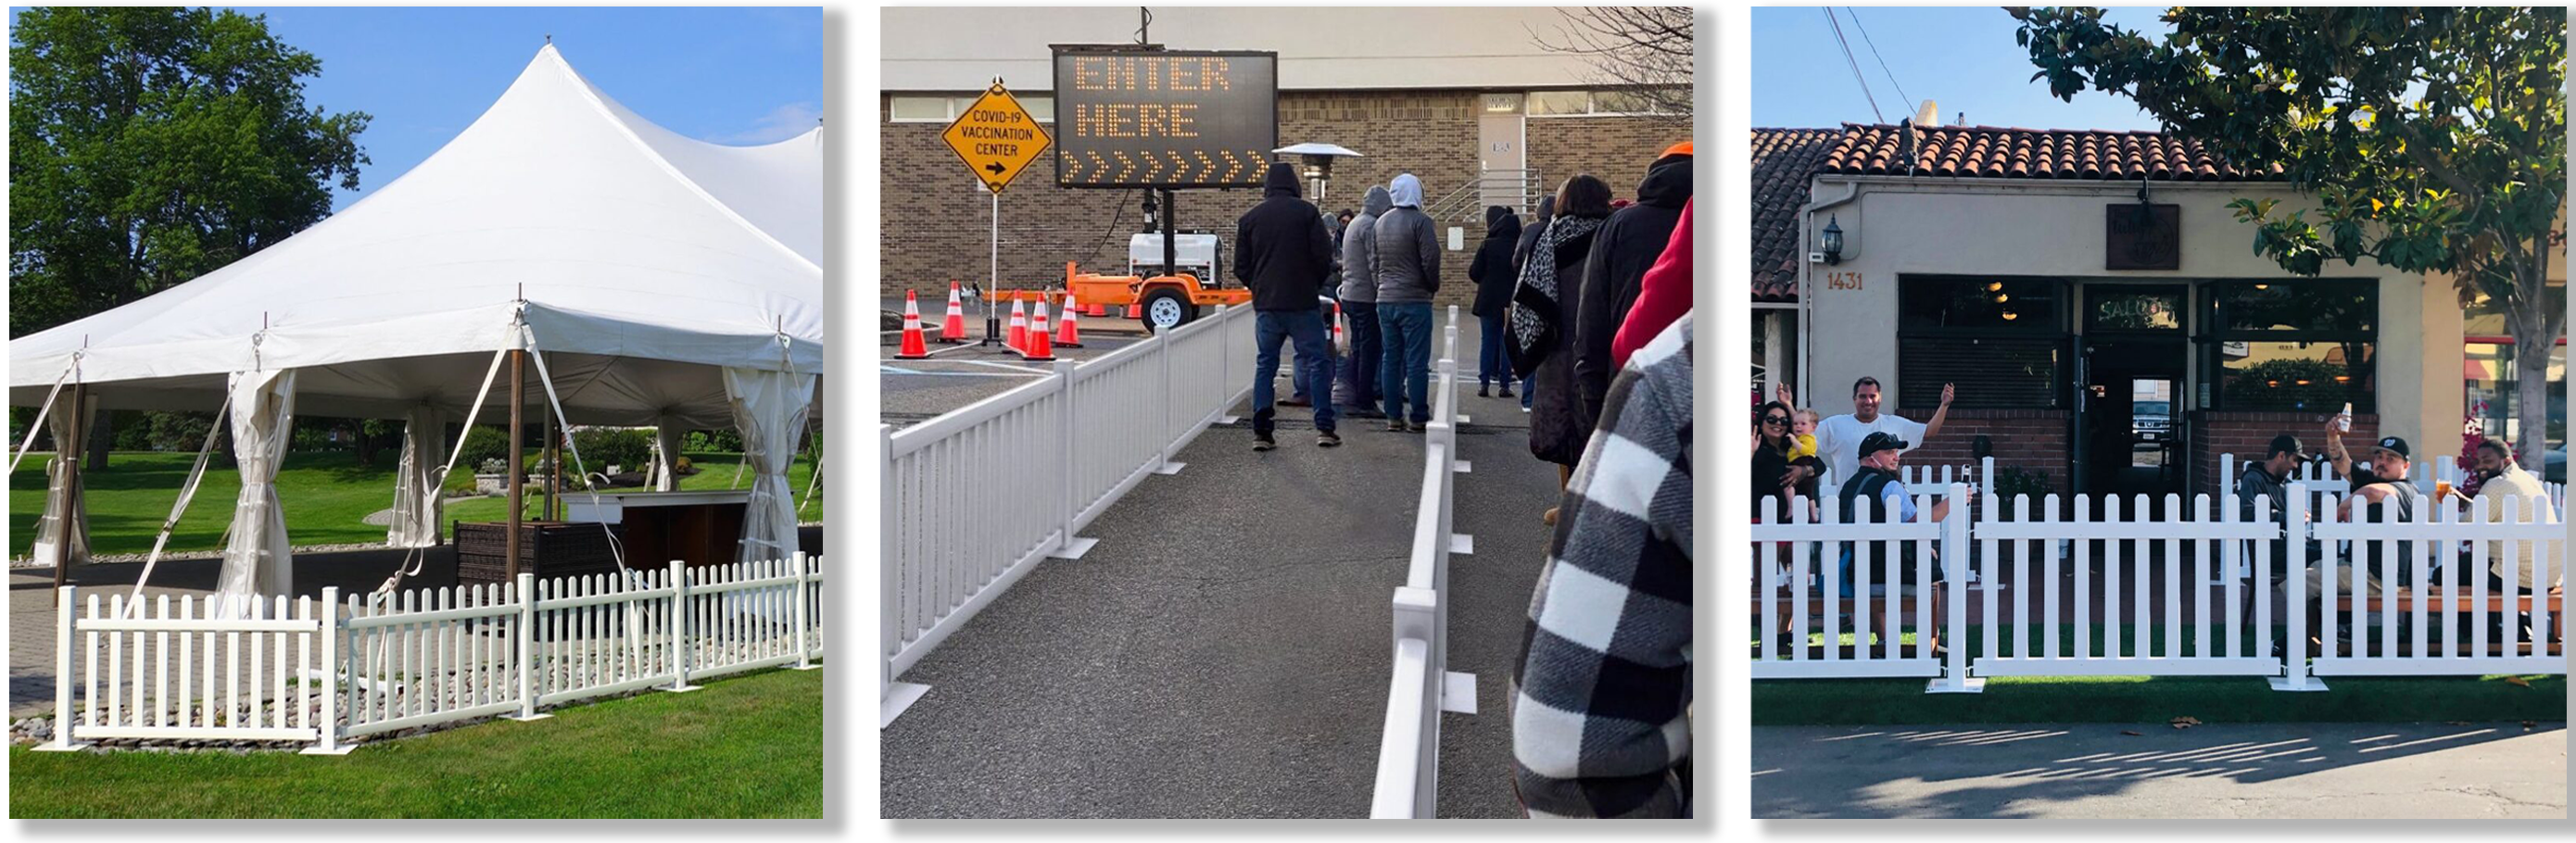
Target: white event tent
[[658, 280]]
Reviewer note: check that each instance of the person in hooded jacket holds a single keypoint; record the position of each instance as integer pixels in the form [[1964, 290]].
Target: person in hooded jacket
[[1282, 252], [1520, 263], [1540, 330], [1627, 246], [1492, 271], [1359, 304], [1405, 259]]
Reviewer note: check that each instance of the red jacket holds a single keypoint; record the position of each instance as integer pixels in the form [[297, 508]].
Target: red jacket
[[1662, 296]]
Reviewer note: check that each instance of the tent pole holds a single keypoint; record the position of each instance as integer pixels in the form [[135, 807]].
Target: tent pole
[[518, 396], [64, 528]]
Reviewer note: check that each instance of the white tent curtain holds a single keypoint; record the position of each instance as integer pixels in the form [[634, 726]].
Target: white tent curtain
[[769, 408], [667, 434], [418, 499], [50, 531], [257, 562]]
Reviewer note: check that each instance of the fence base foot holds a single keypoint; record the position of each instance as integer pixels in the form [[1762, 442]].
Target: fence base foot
[[2283, 683], [1465, 467], [679, 689], [1462, 544], [1073, 549], [1228, 419], [1169, 468], [59, 747], [530, 717], [342, 749], [1462, 418], [1974, 685], [789, 667], [1458, 692], [898, 696]]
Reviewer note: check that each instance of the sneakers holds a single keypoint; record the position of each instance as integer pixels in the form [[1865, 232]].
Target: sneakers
[[1327, 439], [1549, 517], [1423, 426], [1262, 442], [1395, 425], [1506, 393], [1480, 391]]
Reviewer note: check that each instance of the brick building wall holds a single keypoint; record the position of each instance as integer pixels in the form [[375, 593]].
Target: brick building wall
[[2248, 435], [936, 219], [2034, 440], [1614, 149]]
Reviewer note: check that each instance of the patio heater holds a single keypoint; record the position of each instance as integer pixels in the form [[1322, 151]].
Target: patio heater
[[1315, 162]]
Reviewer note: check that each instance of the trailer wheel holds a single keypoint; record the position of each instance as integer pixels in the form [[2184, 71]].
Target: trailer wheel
[[1166, 309]]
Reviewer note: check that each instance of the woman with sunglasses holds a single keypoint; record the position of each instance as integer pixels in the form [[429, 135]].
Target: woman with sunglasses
[[1777, 473]]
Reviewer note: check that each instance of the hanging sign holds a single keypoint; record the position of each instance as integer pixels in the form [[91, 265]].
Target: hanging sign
[[1164, 118], [996, 137]]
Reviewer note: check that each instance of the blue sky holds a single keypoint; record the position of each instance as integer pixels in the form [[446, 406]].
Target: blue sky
[[1963, 58], [729, 75]]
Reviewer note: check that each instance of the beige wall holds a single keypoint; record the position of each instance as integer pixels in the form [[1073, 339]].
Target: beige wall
[[1896, 226], [963, 48]]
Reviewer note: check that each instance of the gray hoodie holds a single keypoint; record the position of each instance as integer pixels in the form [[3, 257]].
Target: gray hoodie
[[1359, 246], [1406, 256]]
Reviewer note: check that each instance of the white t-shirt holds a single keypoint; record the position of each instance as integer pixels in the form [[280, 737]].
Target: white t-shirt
[[1838, 441]]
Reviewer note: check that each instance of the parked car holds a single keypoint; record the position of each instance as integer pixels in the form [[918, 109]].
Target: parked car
[[2150, 421]]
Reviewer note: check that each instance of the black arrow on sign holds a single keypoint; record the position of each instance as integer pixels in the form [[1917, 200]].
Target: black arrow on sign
[[996, 167]]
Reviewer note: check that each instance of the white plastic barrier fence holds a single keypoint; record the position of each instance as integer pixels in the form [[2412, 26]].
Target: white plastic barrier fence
[[2413, 597], [1420, 686], [2196, 632], [1799, 596], [973, 499], [333, 669]]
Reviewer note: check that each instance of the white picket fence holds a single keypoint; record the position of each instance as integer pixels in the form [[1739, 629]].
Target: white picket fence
[[1421, 686], [2155, 594], [334, 669], [972, 500]]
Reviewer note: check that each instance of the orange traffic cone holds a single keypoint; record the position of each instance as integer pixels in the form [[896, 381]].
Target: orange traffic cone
[[953, 329], [1070, 336], [913, 347], [1019, 326], [1038, 349]]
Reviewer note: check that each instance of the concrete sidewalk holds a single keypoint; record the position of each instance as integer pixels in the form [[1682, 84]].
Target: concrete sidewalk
[[2224, 771], [1223, 652]]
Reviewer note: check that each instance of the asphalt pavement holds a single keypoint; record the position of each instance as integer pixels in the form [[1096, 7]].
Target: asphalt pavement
[[2114, 771], [1223, 652]]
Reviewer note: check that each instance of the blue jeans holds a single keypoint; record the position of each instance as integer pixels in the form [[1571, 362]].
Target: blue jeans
[[1313, 375], [1361, 367], [1491, 363], [1406, 370]]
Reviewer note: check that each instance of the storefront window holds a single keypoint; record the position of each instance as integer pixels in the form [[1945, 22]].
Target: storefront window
[[2111, 308], [2491, 379], [2299, 306], [1938, 303], [2296, 376]]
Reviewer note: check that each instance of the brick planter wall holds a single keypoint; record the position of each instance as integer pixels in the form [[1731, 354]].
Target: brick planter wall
[[2033, 440], [2248, 435]]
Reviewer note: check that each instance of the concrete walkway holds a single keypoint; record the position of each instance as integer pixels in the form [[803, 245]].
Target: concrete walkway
[[1223, 652], [2098, 771]]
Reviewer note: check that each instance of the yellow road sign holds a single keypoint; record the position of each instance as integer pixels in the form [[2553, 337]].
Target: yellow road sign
[[996, 138]]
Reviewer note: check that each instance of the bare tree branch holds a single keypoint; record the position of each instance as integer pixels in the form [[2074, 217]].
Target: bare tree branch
[[1643, 51]]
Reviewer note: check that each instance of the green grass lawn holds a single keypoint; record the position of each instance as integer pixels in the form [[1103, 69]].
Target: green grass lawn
[[2141, 699], [327, 496], [749, 746]]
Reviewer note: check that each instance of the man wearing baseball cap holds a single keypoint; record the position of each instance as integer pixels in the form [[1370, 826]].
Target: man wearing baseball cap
[[2387, 497], [1874, 495]]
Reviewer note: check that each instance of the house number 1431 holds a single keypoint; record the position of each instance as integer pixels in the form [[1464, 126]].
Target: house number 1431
[[1842, 280]]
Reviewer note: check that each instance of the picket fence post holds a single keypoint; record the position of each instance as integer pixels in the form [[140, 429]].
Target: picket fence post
[[1067, 547], [2294, 571], [526, 589], [328, 742], [680, 628], [804, 659], [65, 606], [1954, 549]]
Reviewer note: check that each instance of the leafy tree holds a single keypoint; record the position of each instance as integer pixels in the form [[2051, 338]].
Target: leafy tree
[[2431, 139]]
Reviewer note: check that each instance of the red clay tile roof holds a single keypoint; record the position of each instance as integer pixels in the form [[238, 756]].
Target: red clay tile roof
[[1785, 161], [1992, 152]]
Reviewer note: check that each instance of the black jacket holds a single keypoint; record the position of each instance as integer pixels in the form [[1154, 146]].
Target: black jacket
[[1627, 245], [1281, 249], [1494, 271], [1530, 233], [1559, 428]]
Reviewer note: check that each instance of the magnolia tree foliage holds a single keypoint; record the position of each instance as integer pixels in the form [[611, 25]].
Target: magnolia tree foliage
[[2430, 139]]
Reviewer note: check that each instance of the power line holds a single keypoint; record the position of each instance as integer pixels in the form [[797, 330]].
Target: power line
[[1837, 25], [1873, 53]]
